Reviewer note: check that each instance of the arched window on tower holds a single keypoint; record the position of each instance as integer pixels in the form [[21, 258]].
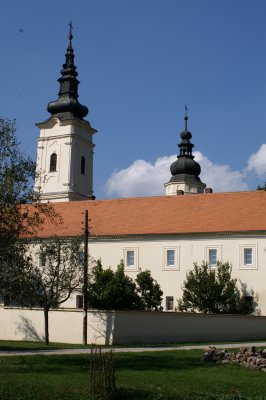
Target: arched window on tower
[[82, 165], [53, 161]]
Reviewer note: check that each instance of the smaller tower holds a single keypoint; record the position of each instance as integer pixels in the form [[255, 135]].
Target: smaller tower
[[185, 170], [65, 146]]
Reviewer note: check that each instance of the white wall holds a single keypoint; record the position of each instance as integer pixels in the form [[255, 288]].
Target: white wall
[[69, 141], [150, 252], [65, 325], [125, 327]]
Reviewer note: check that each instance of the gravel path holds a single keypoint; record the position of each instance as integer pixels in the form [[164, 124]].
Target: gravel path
[[48, 352]]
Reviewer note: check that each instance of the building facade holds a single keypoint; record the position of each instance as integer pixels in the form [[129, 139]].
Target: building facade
[[165, 234], [168, 234]]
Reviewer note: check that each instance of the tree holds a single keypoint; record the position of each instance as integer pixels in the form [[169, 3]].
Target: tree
[[262, 187], [149, 291], [52, 282], [212, 290], [17, 173], [114, 290]]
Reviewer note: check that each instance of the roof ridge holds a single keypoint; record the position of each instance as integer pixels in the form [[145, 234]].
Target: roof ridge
[[184, 196], [194, 195]]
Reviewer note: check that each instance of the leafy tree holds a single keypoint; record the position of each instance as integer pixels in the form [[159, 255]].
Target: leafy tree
[[149, 291], [17, 173], [210, 290], [262, 187], [52, 282], [114, 290]]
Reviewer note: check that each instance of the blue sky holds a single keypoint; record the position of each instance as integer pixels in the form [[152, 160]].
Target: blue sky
[[139, 63]]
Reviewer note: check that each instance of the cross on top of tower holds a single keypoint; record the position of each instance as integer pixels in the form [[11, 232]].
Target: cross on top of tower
[[70, 35]]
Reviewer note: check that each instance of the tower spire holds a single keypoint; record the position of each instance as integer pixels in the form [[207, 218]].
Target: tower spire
[[185, 170], [185, 145], [186, 118], [65, 146], [67, 106], [70, 36]]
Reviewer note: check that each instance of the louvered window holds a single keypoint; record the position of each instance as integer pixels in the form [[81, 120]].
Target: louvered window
[[82, 165], [53, 161]]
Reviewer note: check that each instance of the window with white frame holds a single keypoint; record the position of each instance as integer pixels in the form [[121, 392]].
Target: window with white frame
[[170, 258], [131, 258], [213, 255], [169, 303], [248, 256]]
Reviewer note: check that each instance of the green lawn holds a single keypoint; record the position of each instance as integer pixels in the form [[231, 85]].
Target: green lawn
[[12, 345], [169, 375]]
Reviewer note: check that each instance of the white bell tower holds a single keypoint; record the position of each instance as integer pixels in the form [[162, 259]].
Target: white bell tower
[[65, 146]]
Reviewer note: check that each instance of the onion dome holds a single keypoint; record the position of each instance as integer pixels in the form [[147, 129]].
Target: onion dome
[[185, 163], [67, 106]]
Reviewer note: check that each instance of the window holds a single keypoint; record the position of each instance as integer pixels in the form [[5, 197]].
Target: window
[[212, 259], [169, 303], [82, 165], [170, 258], [213, 254], [53, 161], [79, 301], [131, 258], [248, 256], [81, 257]]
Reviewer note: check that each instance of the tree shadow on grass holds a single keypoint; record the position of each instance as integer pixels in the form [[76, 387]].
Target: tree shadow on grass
[[50, 365], [162, 361], [159, 361]]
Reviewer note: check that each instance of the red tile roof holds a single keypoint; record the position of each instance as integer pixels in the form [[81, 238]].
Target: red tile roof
[[187, 214]]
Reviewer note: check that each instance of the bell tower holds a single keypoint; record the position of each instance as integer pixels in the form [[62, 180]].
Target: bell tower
[[65, 146], [185, 170]]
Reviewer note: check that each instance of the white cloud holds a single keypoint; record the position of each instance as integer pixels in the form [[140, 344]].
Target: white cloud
[[143, 178], [221, 178], [257, 162]]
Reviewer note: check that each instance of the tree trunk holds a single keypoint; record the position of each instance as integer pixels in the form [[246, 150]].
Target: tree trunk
[[46, 325]]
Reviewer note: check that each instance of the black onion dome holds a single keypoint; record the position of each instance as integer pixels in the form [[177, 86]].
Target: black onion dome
[[185, 163], [68, 94], [186, 135]]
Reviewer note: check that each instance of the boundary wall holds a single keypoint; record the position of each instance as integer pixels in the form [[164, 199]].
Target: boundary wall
[[129, 327]]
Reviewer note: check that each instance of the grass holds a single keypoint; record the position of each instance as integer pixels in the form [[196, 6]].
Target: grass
[[12, 345], [169, 375]]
